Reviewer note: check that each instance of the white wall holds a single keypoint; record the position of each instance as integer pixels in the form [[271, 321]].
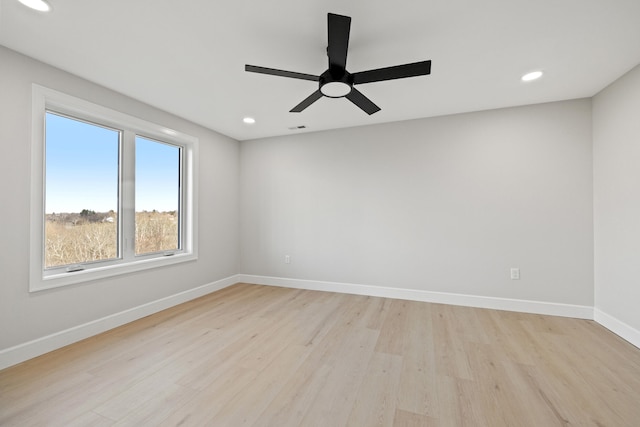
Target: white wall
[[616, 140], [445, 204], [24, 316]]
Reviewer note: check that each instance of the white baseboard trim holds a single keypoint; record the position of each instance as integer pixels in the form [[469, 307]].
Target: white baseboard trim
[[618, 327], [22, 352], [524, 306], [19, 353]]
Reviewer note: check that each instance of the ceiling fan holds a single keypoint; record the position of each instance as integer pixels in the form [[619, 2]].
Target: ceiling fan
[[336, 81]]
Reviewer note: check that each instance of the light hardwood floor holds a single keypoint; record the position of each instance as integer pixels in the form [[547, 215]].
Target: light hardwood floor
[[267, 356]]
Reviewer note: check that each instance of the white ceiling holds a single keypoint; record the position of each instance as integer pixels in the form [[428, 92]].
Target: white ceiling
[[187, 57]]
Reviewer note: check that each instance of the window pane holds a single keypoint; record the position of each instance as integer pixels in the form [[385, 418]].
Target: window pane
[[81, 191], [157, 196]]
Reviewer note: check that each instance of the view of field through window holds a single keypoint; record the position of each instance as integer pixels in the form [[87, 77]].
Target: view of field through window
[[157, 196], [82, 193]]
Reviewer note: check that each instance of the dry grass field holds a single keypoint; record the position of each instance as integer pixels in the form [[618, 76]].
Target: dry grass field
[[76, 238]]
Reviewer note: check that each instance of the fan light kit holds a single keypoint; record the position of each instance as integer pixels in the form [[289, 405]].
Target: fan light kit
[[534, 75], [337, 82], [39, 5], [335, 89]]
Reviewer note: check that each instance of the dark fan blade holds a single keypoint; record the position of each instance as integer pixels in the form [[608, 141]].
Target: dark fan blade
[[338, 29], [308, 101], [362, 101], [390, 73], [281, 73]]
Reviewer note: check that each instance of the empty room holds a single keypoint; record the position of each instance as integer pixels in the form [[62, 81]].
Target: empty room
[[320, 213]]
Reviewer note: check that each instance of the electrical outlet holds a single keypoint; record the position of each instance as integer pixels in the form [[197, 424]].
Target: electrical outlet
[[287, 259], [515, 273]]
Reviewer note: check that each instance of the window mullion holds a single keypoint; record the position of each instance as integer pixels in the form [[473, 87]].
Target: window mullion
[[127, 196]]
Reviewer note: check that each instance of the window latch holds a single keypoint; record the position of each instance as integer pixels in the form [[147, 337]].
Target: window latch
[[75, 267]]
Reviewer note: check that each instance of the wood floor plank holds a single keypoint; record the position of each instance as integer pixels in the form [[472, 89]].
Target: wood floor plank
[[289, 407], [245, 408], [378, 310], [392, 332], [495, 379], [375, 404], [300, 392], [458, 400], [90, 419], [418, 391], [348, 366], [451, 358], [410, 419], [154, 388], [507, 333], [267, 356], [154, 408]]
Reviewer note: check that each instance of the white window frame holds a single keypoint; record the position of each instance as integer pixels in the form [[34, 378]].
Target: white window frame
[[45, 99]]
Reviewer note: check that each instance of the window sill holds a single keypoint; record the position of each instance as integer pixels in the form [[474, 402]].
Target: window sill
[[38, 282]]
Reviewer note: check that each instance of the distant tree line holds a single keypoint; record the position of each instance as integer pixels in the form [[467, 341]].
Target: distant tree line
[[85, 215]]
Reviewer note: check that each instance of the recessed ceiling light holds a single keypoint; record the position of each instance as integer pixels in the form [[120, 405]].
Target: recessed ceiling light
[[39, 5], [534, 75], [249, 120]]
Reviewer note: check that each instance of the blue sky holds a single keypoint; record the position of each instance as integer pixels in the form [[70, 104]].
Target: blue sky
[[82, 169], [157, 172]]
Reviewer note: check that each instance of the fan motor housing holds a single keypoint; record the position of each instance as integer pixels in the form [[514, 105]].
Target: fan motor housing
[[333, 86]]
